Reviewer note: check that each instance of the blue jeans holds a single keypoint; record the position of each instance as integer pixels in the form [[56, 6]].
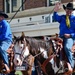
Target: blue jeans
[[4, 45], [68, 43]]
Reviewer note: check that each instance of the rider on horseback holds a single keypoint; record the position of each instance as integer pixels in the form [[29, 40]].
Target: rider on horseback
[[5, 39], [67, 30]]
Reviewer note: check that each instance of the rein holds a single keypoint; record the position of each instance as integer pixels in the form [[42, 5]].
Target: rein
[[54, 49], [38, 54]]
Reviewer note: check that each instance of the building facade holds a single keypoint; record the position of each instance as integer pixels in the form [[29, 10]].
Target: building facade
[[9, 6], [34, 17]]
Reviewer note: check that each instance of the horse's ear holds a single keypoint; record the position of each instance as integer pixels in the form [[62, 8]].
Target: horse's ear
[[14, 36], [56, 35], [23, 34]]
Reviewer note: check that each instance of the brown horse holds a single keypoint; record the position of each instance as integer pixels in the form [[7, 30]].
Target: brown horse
[[43, 51], [23, 60]]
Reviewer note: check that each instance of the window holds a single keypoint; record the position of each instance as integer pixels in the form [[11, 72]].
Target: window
[[52, 2], [8, 6], [13, 5]]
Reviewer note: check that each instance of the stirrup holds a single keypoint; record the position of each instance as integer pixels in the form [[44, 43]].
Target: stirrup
[[66, 69]]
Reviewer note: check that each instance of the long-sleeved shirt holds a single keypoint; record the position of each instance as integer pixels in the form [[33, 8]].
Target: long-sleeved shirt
[[63, 27], [5, 31]]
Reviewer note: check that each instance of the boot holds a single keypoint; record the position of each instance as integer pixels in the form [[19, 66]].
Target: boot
[[6, 69]]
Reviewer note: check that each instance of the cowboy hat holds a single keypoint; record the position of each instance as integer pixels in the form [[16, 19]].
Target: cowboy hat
[[69, 6], [3, 14]]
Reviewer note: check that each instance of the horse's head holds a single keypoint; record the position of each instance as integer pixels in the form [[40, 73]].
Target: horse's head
[[20, 49]]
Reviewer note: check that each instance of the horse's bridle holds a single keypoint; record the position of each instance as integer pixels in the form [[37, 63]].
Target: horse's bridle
[[24, 59], [21, 53]]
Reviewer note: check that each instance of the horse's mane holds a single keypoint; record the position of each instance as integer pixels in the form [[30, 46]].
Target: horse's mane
[[35, 44]]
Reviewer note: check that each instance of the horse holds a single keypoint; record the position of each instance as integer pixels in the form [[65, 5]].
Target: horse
[[21, 51], [42, 51]]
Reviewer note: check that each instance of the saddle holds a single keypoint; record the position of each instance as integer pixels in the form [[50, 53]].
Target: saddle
[[60, 47], [11, 56]]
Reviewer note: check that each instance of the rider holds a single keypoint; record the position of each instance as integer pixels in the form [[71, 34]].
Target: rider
[[5, 39], [67, 30]]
